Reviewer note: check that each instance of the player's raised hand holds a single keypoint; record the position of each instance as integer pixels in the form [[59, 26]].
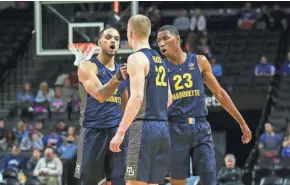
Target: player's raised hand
[[247, 134], [122, 72], [116, 142]]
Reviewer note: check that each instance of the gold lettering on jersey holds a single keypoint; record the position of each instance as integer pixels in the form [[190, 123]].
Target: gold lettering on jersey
[[157, 59], [185, 94], [114, 99]]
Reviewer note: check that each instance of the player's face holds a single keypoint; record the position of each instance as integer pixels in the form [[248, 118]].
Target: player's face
[[167, 43], [110, 42]]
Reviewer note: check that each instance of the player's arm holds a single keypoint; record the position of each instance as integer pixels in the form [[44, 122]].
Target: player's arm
[[169, 96], [124, 99], [220, 94], [87, 74], [136, 71]]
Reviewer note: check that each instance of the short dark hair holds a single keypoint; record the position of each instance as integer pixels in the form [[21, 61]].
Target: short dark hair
[[172, 30], [102, 32]]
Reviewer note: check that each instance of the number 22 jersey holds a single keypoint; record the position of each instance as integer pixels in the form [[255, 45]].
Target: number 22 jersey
[[154, 104], [187, 89]]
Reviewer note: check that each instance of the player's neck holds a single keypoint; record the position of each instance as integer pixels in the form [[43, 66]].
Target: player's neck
[[107, 61], [140, 44], [178, 58]]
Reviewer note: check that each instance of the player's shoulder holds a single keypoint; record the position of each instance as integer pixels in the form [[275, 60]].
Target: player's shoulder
[[137, 58], [87, 67]]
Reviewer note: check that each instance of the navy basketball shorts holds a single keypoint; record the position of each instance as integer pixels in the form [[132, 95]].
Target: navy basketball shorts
[[95, 161], [192, 141], [147, 151]]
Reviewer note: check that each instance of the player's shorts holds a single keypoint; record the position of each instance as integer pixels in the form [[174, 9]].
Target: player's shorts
[[194, 141], [95, 161], [147, 151]]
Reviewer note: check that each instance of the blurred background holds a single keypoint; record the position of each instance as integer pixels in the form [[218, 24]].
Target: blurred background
[[247, 44]]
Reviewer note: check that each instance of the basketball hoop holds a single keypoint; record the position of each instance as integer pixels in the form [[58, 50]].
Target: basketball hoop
[[82, 51]]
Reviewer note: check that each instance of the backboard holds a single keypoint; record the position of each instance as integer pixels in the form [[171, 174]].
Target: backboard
[[59, 23]]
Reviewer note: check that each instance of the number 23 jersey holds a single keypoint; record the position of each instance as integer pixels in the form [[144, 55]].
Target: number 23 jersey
[[187, 89]]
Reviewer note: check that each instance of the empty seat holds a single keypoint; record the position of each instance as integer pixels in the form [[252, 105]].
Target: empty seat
[[282, 169], [263, 168], [59, 115], [272, 180], [287, 181]]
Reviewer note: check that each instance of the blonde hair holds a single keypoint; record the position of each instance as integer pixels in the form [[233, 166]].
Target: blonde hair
[[140, 25], [44, 87]]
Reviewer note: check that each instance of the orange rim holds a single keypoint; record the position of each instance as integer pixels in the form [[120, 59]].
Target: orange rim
[[80, 44]]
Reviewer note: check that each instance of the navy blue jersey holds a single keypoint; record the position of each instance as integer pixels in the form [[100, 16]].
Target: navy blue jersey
[[187, 89], [154, 105], [101, 115]]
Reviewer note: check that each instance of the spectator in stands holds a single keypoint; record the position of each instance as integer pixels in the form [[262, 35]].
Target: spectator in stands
[[76, 103], [263, 22], [269, 141], [279, 18], [58, 104], [154, 14], [230, 175], [68, 92], [11, 139], [73, 76], [285, 153], [3, 134], [49, 168], [182, 23], [14, 160], [198, 21], [216, 68], [61, 128], [21, 131], [285, 67], [203, 47], [32, 162], [247, 17], [71, 132], [44, 96], [264, 68], [26, 101], [52, 140], [39, 127], [68, 149], [33, 141]]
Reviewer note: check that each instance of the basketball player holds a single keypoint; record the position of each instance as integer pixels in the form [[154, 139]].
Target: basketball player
[[146, 111], [102, 98], [190, 133]]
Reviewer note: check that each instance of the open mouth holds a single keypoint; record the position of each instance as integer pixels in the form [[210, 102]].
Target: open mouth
[[112, 47], [163, 51]]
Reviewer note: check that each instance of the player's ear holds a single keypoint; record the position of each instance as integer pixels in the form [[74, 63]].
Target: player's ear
[[177, 39]]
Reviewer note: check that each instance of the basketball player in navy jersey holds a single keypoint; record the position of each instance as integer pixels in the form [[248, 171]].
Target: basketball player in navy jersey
[[190, 133], [145, 117], [103, 96]]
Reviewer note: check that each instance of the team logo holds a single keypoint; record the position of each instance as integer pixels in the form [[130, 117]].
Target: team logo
[[130, 171], [191, 66]]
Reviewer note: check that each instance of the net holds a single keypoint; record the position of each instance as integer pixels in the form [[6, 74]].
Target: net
[[82, 51]]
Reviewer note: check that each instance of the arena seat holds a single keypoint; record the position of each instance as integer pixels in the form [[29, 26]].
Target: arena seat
[[9, 173], [59, 115], [12, 181], [272, 180], [287, 181], [282, 169], [263, 168], [32, 181]]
